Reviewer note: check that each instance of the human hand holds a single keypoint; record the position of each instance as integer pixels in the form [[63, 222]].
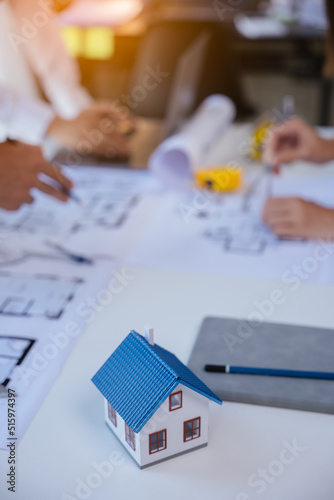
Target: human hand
[[101, 129], [20, 169], [297, 218], [295, 140]]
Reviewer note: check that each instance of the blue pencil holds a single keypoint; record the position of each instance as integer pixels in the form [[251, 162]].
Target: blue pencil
[[74, 197], [274, 372], [69, 193]]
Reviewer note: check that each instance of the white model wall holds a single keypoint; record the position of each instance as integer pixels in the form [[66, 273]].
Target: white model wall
[[193, 405], [119, 431]]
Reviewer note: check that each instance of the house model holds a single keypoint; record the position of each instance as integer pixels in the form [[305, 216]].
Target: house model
[[154, 404]]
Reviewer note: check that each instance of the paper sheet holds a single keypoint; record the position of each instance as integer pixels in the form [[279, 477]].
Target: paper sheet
[[212, 233], [43, 310], [46, 299], [115, 202], [175, 160]]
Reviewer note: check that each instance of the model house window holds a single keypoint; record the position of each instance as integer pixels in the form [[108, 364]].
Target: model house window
[[158, 441], [175, 401], [112, 415], [192, 429], [130, 437]]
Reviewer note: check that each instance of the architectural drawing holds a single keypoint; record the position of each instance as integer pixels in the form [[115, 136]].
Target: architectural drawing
[[31, 220], [41, 295], [242, 235], [106, 210], [232, 221], [39, 325], [13, 351], [253, 242], [108, 197]]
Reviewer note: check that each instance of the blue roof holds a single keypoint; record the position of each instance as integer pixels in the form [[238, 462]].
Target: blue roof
[[138, 377]]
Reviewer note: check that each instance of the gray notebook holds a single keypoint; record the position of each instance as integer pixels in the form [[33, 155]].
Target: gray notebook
[[226, 341]]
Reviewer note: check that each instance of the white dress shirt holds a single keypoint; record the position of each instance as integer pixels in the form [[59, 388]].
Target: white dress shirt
[[44, 52], [23, 113], [23, 119]]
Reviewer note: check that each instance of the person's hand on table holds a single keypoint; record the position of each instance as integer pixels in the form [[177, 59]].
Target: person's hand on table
[[101, 129], [297, 218], [20, 169], [295, 140]]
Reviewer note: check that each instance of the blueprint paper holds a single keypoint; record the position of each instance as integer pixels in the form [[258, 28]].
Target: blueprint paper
[[114, 203], [43, 294], [108, 197], [212, 233], [43, 311], [175, 160], [40, 296]]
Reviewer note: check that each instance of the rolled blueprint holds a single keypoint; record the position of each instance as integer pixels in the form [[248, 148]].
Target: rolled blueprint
[[176, 158]]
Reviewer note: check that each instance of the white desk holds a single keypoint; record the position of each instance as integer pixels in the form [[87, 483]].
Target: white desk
[[68, 433]]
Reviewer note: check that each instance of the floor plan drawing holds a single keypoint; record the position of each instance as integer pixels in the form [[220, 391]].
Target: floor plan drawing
[[43, 296], [231, 221], [13, 351], [30, 220], [106, 210], [39, 301], [106, 200], [244, 239], [223, 233]]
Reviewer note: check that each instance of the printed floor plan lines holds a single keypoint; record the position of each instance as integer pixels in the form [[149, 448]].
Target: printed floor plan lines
[[223, 220], [253, 241], [241, 234], [43, 296], [108, 210], [13, 351], [31, 221]]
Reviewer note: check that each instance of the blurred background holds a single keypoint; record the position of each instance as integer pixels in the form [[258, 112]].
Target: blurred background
[[254, 51]]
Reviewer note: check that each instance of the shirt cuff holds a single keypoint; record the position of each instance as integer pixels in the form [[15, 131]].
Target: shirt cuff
[[25, 119]]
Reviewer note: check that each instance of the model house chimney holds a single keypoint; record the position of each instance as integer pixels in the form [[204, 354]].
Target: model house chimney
[[149, 334]]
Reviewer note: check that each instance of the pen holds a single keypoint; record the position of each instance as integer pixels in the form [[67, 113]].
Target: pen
[[73, 197], [269, 187], [266, 173], [69, 193], [79, 259], [275, 372], [250, 191]]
